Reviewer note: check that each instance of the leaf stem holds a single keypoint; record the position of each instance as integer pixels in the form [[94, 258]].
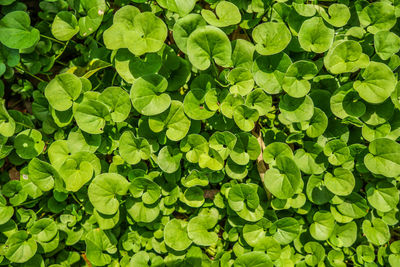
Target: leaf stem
[[62, 51], [113, 79], [76, 199], [30, 74], [27, 203], [39, 210], [52, 39], [24, 125]]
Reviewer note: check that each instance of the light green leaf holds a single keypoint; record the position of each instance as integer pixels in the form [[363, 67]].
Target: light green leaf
[[226, 14], [315, 36], [173, 120], [383, 157], [103, 190], [63, 90], [283, 180], [91, 115], [118, 102], [133, 149], [209, 44], [64, 26], [378, 84], [271, 37], [147, 95], [16, 31], [175, 235]]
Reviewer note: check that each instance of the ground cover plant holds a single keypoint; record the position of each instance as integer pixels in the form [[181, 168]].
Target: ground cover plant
[[199, 133]]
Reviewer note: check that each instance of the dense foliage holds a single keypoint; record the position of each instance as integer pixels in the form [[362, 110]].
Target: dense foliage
[[199, 133]]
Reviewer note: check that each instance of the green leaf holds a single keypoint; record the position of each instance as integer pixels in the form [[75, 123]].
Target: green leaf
[[246, 148], [311, 159], [131, 67], [337, 152], [183, 27], [243, 199], [383, 157], [345, 56], [378, 84], [316, 253], [7, 123], [42, 174], [169, 159], [318, 124], [253, 259], [283, 180], [145, 189], [63, 90], [195, 178], [296, 109], [211, 160], [226, 14], [386, 44], [139, 32], [91, 115], [20, 247], [94, 15], [207, 45], [99, 244], [383, 196], [353, 206], [193, 197], [147, 95], [103, 190], [44, 230], [376, 231], [194, 145], [16, 31], [287, 229], [64, 26], [245, 117], [269, 71], [141, 212], [173, 120], [175, 235], [271, 37], [118, 102], [378, 16], [315, 36], [241, 80], [344, 235], [260, 101], [76, 173], [223, 143], [338, 15], [341, 183], [322, 226], [28, 144], [182, 7], [6, 212], [200, 231], [296, 81], [274, 150], [133, 149]]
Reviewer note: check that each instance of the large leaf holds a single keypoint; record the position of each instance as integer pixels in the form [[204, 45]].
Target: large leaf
[[283, 180], [103, 190], [16, 31], [173, 120], [378, 84], [383, 157], [271, 37], [207, 45], [147, 95]]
